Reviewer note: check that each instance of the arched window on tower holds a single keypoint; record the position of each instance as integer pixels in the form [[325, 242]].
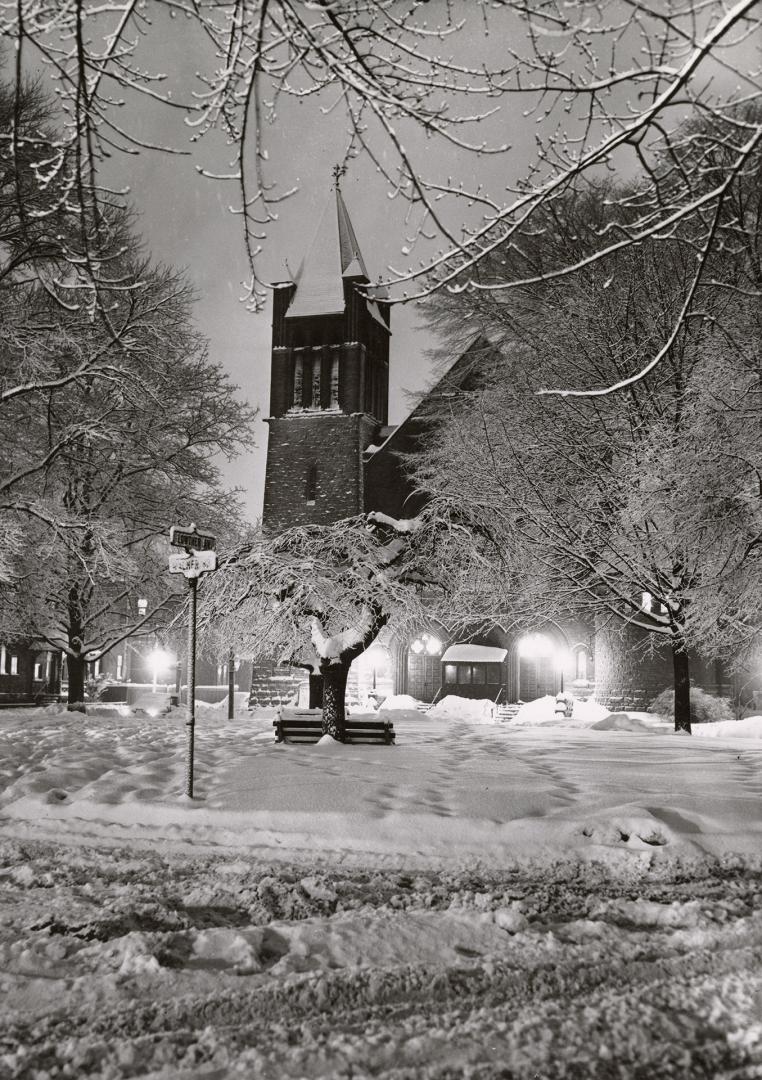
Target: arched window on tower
[[310, 487]]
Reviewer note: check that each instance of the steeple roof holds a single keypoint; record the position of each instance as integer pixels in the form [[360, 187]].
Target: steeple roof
[[333, 255]]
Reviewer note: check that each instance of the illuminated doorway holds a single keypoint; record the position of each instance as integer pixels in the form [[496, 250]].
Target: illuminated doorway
[[424, 668], [541, 661]]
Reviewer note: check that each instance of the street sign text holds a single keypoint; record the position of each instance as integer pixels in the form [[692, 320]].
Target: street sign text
[[193, 565], [192, 539]]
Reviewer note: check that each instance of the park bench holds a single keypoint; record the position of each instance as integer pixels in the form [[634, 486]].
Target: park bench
[[307, 727]]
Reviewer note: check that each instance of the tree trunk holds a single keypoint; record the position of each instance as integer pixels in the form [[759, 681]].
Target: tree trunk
[[680, 665], [316, 691], [334, 693], [75, 666]]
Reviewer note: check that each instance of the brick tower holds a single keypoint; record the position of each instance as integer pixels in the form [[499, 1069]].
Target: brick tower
[[329, 382]]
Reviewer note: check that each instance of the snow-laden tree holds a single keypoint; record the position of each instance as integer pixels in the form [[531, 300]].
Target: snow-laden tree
[[590, 503], [55, 336], [97, 468], [317, 596], [604, 84]]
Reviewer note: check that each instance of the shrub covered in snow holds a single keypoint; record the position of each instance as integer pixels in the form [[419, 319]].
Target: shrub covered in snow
[[705, 708]]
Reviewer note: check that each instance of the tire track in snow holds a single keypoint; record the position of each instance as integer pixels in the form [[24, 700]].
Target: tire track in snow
[[640, 977]]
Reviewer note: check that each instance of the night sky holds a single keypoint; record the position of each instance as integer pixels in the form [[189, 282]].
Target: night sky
[[186, 221]]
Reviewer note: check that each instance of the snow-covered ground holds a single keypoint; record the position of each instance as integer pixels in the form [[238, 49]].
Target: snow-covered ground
[[538, 898]]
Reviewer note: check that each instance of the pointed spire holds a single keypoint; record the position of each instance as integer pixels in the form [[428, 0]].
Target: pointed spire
[[333, 255]]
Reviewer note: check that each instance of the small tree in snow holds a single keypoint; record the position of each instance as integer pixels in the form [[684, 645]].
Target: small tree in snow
[[318, 596]]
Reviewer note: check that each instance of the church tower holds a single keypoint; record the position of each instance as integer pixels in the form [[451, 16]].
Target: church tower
[[329, 381]]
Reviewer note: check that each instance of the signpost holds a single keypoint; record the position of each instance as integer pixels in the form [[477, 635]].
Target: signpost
[[189, 537], [200, 562], [200, 558]]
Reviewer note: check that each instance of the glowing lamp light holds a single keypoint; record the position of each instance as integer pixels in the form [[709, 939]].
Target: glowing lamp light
[[533, 646], [159, 660], [428, 643]]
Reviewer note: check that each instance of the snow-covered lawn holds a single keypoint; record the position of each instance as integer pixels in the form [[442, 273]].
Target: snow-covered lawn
[[538, 898]]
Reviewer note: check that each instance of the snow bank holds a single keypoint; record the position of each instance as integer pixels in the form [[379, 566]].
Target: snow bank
[[398, 702], [749, 728], [589, 711], [473, 710], [622, 721], [587, 714]]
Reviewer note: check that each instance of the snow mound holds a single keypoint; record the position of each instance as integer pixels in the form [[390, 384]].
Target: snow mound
[[749, 728], [622, 721], [473, 710], [540, 711], [397, 702], [589, 711], [587, 714]]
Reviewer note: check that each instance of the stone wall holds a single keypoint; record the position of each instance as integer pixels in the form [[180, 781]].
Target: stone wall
[[332, 445], [628, 674]]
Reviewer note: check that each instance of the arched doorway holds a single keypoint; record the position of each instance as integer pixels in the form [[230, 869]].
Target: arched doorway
[[542, 659], [424, 667]]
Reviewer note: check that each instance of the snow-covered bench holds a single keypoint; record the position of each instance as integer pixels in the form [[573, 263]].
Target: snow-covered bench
[[307, 727]]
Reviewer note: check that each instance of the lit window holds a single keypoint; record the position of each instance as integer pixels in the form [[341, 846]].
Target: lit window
[[582, 664], [450, 673], [37, 671], [646, 601], [14, 665]]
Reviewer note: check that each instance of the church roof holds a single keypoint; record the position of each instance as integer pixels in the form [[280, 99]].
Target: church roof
[[456, 376], [333, 255]]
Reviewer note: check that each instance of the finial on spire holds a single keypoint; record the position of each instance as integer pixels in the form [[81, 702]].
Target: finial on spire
[[338, 171]]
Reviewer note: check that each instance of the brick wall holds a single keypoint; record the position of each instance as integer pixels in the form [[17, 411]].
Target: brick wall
[[331, 442]]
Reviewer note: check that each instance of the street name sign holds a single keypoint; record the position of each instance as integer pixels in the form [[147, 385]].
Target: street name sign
[[193, 565], [190, 538]]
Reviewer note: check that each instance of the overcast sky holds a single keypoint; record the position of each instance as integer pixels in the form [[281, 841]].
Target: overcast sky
[[186, 221]]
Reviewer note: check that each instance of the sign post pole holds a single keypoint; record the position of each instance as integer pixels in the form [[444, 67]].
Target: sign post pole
[[190, 723], [199, 558], [231, 684]]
